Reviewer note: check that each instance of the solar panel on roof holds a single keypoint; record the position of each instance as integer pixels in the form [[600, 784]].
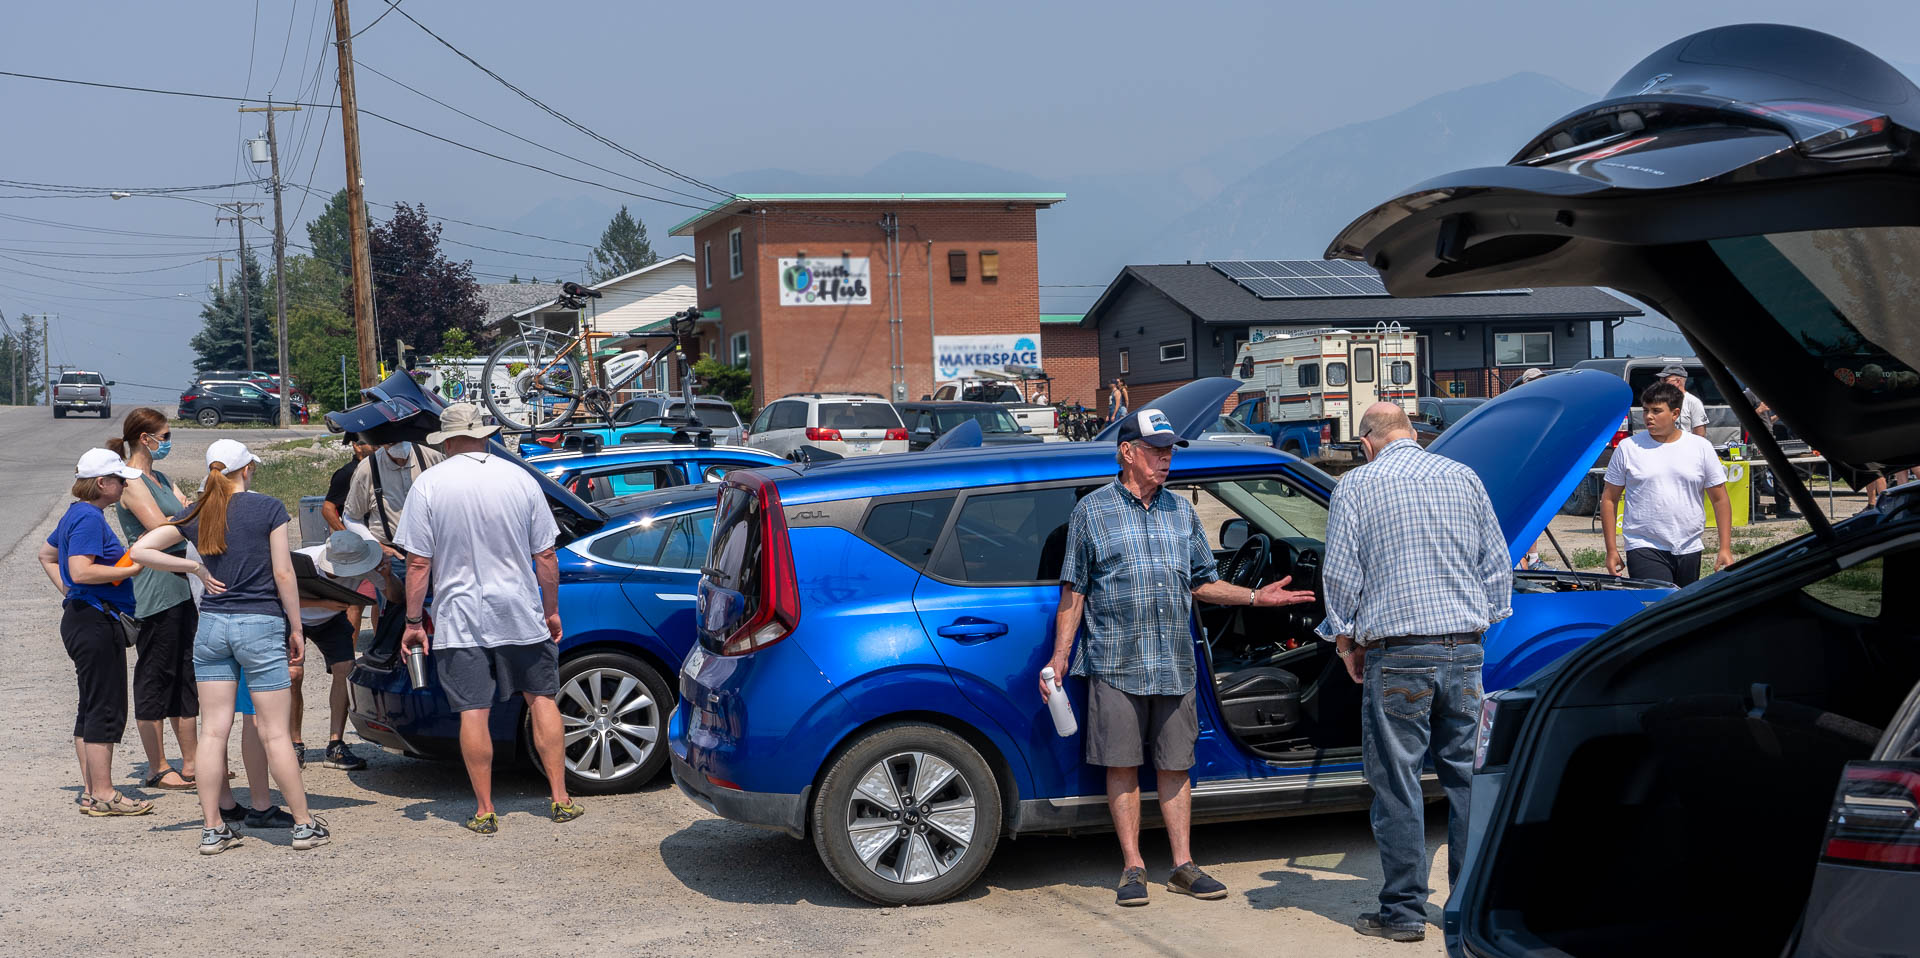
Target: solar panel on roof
[[1311, 268], [1316, 279], [1347, 267], [1236, 269], [1265, 287], [1268, 267]]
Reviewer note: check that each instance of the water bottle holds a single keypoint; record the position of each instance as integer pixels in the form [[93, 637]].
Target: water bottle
[[1057, 704]]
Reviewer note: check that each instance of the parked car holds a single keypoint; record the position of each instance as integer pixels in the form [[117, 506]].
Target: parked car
[[627, 571], [844, 424], [713, 412], [268, 382], [871, 629], [628, 469], [1038, 418], [1640, 372], [927, 421], [212, 402], [1228, 429], [1741, 755], [1441, 412], [82, 391]]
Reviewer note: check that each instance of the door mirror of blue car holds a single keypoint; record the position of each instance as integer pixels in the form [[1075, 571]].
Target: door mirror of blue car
[[1234, 533]]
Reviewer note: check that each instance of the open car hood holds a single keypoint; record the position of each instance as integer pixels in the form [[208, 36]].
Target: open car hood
[[1190, 409], [1532, 444], [1758, 184], [399, 410]]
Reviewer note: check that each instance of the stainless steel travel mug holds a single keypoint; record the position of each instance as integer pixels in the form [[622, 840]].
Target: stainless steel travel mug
[[417, 668]]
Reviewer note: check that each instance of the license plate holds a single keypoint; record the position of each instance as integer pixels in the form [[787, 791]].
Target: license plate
[[695, 659], [860, 446]]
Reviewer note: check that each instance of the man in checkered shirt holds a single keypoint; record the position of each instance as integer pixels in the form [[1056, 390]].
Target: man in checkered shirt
[[1136, 558], [1416, 569]]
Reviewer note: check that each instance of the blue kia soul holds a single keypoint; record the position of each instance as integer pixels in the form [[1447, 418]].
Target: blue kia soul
[[871, 632]]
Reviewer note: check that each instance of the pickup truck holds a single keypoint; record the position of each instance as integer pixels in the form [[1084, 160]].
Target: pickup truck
[[81, 391], [1039, 419]]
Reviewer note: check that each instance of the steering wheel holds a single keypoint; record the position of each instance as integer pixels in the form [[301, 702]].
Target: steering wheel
[[1243, 568]]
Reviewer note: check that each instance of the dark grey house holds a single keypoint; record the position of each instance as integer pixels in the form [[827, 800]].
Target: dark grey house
[[1162, 326]]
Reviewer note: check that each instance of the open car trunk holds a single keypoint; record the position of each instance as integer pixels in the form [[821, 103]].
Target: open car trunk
[[1679, 783]]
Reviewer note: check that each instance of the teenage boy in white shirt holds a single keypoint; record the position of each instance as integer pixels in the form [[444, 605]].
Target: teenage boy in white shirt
[[1663, 472]]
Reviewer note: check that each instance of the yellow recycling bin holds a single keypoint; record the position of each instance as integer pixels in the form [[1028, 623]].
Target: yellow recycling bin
[[1739, 491]]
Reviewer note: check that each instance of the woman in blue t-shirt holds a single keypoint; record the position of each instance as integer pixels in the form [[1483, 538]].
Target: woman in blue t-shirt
[[79, 557], [249, 624]]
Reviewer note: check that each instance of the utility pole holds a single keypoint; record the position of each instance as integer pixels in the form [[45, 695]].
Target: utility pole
[[220, 262], [279, 262], [356, 199], [240, 219], [13, 355], [46, 370]]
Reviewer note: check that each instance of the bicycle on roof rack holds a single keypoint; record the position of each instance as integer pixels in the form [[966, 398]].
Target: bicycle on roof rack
[[541, 377]]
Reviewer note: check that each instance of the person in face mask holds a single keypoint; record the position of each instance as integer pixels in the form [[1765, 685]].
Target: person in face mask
[[163, 687], [377, 495]]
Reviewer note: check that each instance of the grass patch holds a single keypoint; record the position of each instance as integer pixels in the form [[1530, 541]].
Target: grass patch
[[195, 424], [1856, 590], [1747, 548], [1589, 558], [287, 478], [1752, 532]]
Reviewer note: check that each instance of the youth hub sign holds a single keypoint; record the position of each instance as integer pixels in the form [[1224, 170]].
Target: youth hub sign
[[846, 281], [955, 357]]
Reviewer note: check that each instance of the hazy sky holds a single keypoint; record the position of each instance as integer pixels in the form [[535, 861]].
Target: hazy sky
[[1049, 89]]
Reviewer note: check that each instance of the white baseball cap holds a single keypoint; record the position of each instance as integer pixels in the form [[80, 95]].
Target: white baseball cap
[[96, 463], [232, 454]]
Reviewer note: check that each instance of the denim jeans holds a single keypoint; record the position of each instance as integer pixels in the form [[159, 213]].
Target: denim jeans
[[1417, 700]]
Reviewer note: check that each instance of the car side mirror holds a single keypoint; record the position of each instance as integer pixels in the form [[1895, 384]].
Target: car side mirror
[[112, 383], [1234, 533]]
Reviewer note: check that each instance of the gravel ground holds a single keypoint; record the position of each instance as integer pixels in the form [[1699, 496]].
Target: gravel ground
[[644, 874]]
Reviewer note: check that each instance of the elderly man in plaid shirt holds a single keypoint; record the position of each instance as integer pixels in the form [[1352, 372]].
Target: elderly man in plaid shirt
[[1416, 568], [1136, 557]]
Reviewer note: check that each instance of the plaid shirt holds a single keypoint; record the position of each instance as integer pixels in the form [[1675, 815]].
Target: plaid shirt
[[1138, 567], [1413, 548]]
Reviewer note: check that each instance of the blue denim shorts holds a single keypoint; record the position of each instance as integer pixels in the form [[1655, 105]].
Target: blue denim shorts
[[227, 645]]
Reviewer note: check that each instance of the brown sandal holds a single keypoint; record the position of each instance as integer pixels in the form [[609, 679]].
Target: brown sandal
[[118, 805], [186, 784]]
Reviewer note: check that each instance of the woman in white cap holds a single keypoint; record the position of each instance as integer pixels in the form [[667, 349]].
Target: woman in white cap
[[249, 623], [79, 557]]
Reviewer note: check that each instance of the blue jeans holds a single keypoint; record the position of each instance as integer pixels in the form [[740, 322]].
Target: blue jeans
[[229, 645], [1417, 700]]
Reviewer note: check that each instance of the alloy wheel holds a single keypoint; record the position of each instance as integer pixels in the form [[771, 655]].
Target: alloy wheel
[[911, 818], [611, 723]]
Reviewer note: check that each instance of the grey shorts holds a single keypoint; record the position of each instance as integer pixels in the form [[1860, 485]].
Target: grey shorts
[[477, 678], [1119, 725]]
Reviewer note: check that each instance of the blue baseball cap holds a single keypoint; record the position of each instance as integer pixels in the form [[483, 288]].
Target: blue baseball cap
[[1151, 427]]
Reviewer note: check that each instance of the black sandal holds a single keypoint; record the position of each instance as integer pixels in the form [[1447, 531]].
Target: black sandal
[[155, 781]]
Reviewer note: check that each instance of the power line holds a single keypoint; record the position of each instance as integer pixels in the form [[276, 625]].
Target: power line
[[286, 46], [137, 190], [376, 22]]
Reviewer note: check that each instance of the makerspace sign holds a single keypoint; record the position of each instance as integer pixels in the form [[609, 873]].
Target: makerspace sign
[[845, 281], [958, 356]]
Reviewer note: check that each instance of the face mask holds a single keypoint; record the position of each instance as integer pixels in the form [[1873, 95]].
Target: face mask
[[160, 452], [400, 450]]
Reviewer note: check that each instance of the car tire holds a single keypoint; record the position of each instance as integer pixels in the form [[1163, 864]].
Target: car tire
[[611, 684], [106, 412], [938, 847], [1293, 448], [59, 413], [1585, 501], [208, 417]]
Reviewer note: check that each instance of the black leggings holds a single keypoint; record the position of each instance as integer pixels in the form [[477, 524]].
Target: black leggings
[[99, 655], [163, 686]]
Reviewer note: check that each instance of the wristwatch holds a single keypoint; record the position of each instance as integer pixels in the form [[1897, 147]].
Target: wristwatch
[[1253, 598], [416, 620], [1346, 652]]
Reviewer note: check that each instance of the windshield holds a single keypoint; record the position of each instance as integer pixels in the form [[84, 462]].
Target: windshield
[[990, 420], [80, 379], [712, 415], [992, 393], [858, 415], [1843, 295], [1275, 508], [638, 410]]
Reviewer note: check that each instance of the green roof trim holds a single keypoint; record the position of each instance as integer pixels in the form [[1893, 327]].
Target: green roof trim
[[658, 325], [1044, 199], [1063, 319]]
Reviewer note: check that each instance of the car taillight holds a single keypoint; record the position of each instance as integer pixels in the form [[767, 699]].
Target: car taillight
[[816, 434], [1326, 432], [1484, 734], [1625, 430], [1501, 716], [189, 397], [1876, 816], [778, 611], [900, 434], [1054, 417]]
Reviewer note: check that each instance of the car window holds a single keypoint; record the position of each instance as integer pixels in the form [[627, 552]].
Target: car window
[[908, 528], [760, 422], [1640, 377], [638, 410], [1310, 374], [733, 557], [857, 415], [1336, 374], [789, 415], [636, 544], [712, 415], [1856, 590], [990, 420], [1272, 506], [1245, 412], [1363, 365], [249, 392], [79, 379], [686, 541], [1009, 536]]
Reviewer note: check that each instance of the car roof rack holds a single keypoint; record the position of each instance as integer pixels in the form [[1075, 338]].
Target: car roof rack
[[827, 394]]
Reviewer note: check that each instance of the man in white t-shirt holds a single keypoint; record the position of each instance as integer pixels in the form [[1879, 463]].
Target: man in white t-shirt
[[480, 533], [1693, 412], [1664, 471]]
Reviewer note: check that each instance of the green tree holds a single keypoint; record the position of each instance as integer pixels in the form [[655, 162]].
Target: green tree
[[221, 342], [20, 370], [623, 248], [318, 337], [330, 235], [733, 383], [419, 293]]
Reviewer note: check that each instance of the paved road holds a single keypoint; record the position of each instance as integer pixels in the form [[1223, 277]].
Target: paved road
[[642, 874]]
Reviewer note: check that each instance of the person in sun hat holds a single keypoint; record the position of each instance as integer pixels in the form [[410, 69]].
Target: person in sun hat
[[471, 525], [1136, 557], [249, 623], [349, 557], [79, 558]]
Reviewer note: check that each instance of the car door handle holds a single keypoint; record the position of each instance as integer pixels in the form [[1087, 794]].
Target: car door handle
[[968, 628]]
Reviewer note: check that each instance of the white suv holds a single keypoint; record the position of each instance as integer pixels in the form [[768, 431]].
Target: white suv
[[846, 424]]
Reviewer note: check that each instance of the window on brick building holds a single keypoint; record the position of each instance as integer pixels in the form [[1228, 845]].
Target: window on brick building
[[957, 265], [736, 264], [740, 353], [1123, 362], [706, 263], [989, 266]]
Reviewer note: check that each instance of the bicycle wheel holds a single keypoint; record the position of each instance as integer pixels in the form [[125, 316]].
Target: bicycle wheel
[[531, 381]]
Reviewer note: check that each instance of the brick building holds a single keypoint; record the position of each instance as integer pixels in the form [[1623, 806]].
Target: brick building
[[852, 291]]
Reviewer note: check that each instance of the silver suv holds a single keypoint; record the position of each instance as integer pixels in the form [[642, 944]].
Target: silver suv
[[845, 424]]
